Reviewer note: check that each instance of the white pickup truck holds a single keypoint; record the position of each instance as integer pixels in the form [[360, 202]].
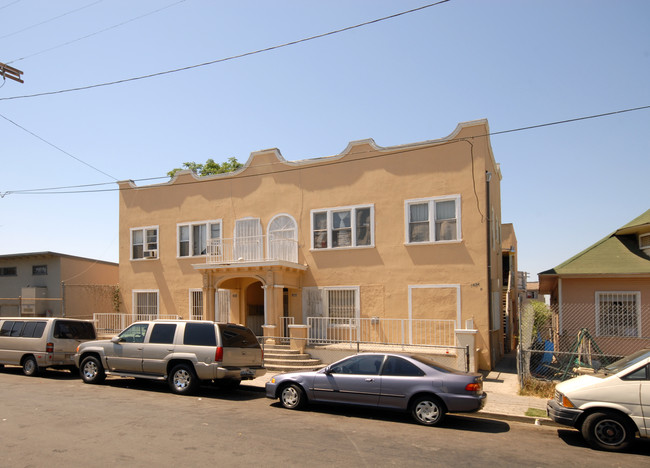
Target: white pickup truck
[[610, 406]]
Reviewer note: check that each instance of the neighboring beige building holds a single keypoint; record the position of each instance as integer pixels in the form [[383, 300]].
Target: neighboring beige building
[[404, 232], [54, 284]]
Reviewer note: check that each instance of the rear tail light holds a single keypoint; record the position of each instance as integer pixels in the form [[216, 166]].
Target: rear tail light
[[49, 348], [218, 356], [473, 387]]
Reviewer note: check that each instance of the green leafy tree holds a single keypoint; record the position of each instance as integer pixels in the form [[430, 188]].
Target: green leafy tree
[[209, 168], [542, 316]]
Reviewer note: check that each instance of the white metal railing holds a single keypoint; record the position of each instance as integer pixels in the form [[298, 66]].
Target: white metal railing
[[251, 249], [113, 323], [381, 330]]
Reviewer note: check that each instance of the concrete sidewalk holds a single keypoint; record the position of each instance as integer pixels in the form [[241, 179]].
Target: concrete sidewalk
[[501, 385]]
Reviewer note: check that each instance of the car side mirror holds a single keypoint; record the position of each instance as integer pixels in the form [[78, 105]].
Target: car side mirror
[[328, 370], [116, 339]]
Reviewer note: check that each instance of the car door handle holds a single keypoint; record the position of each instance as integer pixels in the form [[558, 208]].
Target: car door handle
[[370, 380]]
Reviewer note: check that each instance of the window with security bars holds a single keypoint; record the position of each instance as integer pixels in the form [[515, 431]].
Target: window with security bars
[[145, 304], [196, 304], [341, 305], [617, 314]]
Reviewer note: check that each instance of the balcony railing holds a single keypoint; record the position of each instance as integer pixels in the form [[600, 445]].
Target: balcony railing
[[252, 249]]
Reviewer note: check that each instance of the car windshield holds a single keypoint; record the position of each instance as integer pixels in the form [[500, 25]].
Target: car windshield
[[627, 361]]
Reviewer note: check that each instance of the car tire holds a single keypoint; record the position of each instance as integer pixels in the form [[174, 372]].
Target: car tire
[[293, 397], [608, 431], [30, 366], [92, 370], [428, 410], [182, 380]]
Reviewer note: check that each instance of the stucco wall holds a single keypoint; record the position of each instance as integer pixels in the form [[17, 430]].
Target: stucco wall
[[363, 175]]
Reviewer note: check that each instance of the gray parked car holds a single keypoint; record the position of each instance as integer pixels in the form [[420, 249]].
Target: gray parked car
[[405, 382], [182, 352]]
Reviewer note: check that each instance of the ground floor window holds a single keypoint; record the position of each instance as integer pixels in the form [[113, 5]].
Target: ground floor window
[[341, 305], [145, 304], [196, 304], [617, 314]]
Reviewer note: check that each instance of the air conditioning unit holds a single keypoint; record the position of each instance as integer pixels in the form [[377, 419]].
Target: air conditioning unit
[[150, 254]]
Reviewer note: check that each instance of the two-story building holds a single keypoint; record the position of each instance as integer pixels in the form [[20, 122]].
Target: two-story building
[[54, 284], [373, 235]]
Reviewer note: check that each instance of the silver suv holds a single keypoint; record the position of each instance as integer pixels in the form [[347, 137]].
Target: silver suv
[[183, 352]]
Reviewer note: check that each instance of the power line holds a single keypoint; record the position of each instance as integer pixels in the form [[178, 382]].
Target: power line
[[57, 148], [50, 20], [97, 32], [9, 4], [291, 169], [232, 57]]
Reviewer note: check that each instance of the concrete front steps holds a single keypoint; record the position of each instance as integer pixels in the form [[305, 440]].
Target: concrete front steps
[[281, 358]]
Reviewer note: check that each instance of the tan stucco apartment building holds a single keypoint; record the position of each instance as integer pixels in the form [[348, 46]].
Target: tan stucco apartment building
[[403, 232]]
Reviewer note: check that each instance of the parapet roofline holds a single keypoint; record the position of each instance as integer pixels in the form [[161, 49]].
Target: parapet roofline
[[352, 147]]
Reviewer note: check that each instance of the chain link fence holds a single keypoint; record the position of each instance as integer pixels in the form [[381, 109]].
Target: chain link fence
[[558, 343]]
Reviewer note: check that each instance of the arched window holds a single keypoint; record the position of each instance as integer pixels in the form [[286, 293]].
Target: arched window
[[283, 239]]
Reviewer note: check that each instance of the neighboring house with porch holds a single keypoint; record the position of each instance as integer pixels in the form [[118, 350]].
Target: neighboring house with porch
[[50, 284], [389, 244], [605, 291]]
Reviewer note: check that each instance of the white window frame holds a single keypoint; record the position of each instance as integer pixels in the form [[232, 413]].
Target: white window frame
[[134, 302], [271, 249], [147, 253], [190, 226], [353, 226], [637, 300], [326, 303], [431, 201], [192, 305], [644, 238]]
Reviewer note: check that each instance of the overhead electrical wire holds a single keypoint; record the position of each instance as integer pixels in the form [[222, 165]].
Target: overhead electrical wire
[[50, 20], [43, 191], [226, 59], [9, 4], [57, 148], [96, 33]]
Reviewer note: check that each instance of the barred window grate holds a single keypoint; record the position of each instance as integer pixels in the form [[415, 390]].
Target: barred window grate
[[341, 304], [617, 314]]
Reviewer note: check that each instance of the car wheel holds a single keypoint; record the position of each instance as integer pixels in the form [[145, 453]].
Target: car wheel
[[428, 411], [30, 366], [607, 431], [293, 397], [92, 371], [182, 380]]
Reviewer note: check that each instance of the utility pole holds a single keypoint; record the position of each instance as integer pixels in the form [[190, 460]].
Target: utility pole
[[10, 72]]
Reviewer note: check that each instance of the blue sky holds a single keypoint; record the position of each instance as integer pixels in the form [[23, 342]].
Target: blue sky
[[408, 79]]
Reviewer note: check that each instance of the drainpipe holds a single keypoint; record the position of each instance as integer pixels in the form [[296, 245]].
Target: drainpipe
[[488, 177]]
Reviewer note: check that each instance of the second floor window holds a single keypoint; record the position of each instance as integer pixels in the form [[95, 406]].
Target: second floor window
[[193, 238], [433, 220], [144, 242], [343, 227]]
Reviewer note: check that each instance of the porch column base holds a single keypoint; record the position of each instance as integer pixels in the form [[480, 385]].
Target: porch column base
[[298, 337], [269, 334]]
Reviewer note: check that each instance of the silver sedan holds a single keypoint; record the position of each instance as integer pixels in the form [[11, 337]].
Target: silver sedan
[[404, 382]]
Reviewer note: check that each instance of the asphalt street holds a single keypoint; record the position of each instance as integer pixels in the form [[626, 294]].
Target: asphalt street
[[57, 420]]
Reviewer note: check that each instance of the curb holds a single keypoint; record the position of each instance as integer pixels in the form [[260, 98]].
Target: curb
[[547, 422]]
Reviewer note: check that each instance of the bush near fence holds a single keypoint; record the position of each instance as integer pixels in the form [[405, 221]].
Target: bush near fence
[[560, 343]]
